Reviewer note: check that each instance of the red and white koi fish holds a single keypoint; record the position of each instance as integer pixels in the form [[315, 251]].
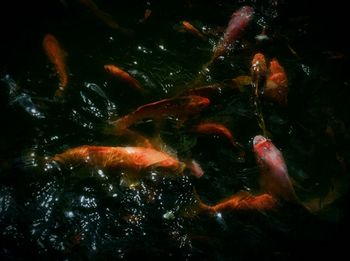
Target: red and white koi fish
[[274, 177], [238, 22]]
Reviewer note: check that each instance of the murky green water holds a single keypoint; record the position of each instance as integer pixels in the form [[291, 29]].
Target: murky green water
[[51, 210]]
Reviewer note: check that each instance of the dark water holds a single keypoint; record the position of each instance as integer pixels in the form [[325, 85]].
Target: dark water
[[51, 210]]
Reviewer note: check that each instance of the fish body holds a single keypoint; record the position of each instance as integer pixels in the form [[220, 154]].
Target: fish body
[[258, 68], [57, 56], [238, 22], [276, 87], [242, 201], [274, 177], [179, 107], [215, 129], [128, 158], [106, 18], [193, 30], [125, 77]]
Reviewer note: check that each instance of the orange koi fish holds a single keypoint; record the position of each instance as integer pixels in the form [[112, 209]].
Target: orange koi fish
[[146, 15], [126, 158], [208, 91], [57, 56], [103, 16], [218, 90], [125, 77], [240, 82], [218, 129], [179, 107], [137, 138], [274, 173], [258, 69], [276, 87], [242, 201], [193, 30]]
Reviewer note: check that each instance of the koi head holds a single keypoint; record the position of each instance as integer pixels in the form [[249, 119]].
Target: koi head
[[260, 146], [110, 68], [258, 67], [258, 140]]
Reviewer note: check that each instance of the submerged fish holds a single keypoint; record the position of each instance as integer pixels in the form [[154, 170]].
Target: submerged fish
[[274, 177], [258, 68], [276, 88], [103, 16], [220, 90], [125, 158], [221, 130], [193, 30], [125, 77], [241, 202], [57, 56], [238, 22], [179, 107]]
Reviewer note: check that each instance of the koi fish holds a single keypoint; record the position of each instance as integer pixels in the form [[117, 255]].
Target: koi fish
[[179, 107], [193, 30], [106, 18], [137, 138], [258, 69], [195, 169], [276, 87], [241, 81], [218, 90], [274, 177], [238, 22], [221, 130], [57, 56], [208, 91], [125, 77], [242, 201], [146, 15], [127, 158]]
